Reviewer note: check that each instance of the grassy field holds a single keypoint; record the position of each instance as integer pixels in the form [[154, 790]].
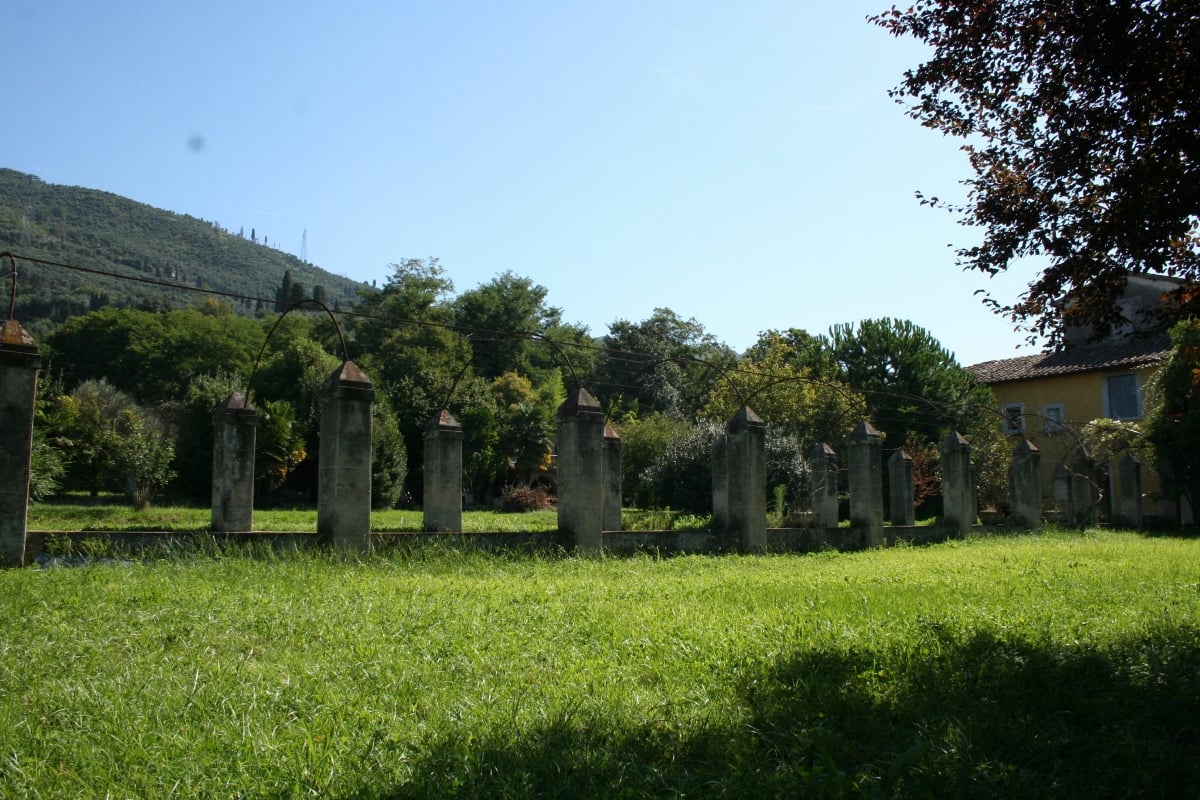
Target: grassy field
[[111, 513], [1056, 665]]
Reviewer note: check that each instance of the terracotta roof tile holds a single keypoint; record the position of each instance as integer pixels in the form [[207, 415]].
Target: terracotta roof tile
[[1087, 358]]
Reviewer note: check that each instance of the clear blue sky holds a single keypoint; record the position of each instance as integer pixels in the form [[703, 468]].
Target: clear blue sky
[[740, 163]]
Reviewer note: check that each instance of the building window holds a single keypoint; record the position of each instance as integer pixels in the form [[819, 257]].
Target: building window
[[1054, 418], [1122, 397], [1014, 418]]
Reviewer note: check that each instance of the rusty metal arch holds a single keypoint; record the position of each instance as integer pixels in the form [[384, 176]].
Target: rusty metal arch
[[270, 333]]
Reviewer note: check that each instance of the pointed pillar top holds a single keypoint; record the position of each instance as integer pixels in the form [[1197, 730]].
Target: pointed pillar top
[[579, 403], [442, 422], [18, 347], [865, 430], [744, 419]]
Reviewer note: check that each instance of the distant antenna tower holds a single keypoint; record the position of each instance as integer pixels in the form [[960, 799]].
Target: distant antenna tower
[[304, 247]]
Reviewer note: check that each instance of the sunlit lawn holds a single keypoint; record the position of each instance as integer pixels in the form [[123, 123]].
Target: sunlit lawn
[[1057, 665], [110, 514]]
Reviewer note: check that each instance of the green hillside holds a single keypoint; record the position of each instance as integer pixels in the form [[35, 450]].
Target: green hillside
[[103, 231]]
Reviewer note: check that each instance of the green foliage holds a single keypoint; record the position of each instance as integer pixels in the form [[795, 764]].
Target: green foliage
[[153, 356], [295, 367], [1079, 121], [643, 441], [788, 478], [47, 467], [142, 452], [803, 352], [575, 345], [664, 365], [991, 450], [680, 476], [510, 433], [279, 445], [110, 442], [1108, 440], [193, 424], [48, 463], [481, 449], [782, 384], [914, 387], [526, 425], [1172, 426], [389, 457], [910, 382], [409, 352], [499, 316], [83, 426]]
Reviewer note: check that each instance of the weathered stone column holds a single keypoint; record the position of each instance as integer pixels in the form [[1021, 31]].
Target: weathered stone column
[[443, 473], [1061, 485], [1025, 485], [823, 466], [1127, 492], [1075, 489], [863, 453], [901, 507], [720, 484], [344, 475], [581, 472], [612, 479], [19, 363], [234, 432], [958, 492], [746, 437]]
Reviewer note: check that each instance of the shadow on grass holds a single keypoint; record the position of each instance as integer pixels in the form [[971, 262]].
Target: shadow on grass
[[967, 715]]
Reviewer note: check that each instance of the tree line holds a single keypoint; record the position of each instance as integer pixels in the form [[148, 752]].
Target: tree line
[[129, 394]]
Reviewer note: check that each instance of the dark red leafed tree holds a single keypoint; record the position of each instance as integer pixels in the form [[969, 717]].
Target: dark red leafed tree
[[1081, 119]]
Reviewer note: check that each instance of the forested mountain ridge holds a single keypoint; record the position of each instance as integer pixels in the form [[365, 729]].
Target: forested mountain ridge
[[103, 231]]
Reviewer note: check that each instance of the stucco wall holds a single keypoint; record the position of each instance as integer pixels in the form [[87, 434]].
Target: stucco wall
[[1082, 398]]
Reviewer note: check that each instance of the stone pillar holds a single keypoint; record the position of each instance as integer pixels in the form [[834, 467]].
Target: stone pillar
[[973, 500], [344, 475], [19, 363], [443, 473], [234, 433], [612, 479], [746, 437], [1061, 483], [958, 491], [900, 489], [581, 472], [863, 453], [720, 484], [1025, 485], [1127, 492], [823, 466], [1085, 495]]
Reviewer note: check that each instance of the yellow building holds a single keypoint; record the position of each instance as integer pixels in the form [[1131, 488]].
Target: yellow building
[[1048, 397]]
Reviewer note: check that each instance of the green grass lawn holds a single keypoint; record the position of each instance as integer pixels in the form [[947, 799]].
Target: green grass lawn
[[1056, 665], [111, 513]]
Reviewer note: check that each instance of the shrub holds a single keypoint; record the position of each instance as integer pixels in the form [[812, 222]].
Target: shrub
[[681, 476], [642, 442], [525, 498]]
